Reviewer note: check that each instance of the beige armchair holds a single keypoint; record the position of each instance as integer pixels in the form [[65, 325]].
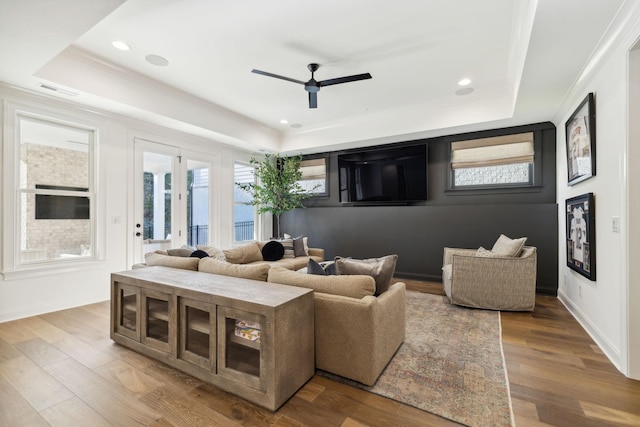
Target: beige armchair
[[495, 283]]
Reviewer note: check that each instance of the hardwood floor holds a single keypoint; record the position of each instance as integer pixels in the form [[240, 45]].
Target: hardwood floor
[[63, 369]]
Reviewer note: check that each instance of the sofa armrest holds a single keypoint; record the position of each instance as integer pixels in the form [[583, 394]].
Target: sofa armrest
[[356, 338], [504, 283], [316, 252]]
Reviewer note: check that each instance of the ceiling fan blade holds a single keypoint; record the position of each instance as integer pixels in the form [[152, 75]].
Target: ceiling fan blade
[[313, 99], [264, 73], [347, 79]]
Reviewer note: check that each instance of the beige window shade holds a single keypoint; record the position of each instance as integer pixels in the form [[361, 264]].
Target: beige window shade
[[313, 169], [502, 150]]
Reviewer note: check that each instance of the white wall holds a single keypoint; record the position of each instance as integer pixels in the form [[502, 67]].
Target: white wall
[[27, 293], [601, 305]]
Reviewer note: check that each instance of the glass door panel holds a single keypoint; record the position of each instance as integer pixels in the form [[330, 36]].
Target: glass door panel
[[198, 173], [156, 197]]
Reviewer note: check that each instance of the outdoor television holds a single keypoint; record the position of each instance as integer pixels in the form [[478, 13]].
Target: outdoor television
[[393, 175], [61, 207]]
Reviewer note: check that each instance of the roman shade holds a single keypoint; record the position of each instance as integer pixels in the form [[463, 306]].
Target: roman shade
[[500, 150]]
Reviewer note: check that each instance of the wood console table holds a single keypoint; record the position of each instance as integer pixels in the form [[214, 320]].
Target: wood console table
[[189, 320]]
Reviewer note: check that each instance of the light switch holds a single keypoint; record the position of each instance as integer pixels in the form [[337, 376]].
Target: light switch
[[616, 224]]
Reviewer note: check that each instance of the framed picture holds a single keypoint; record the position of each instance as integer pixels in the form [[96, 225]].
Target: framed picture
[[580, 131], [581, 235]]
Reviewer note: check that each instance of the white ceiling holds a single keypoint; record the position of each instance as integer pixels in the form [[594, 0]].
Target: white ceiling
[[522, 57]]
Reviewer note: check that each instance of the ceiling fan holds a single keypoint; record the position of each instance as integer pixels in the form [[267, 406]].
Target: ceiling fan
[[313, 86]]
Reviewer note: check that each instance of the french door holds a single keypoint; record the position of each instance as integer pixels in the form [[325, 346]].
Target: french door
[[172, 198]]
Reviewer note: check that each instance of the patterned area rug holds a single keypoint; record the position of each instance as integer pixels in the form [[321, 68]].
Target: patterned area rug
[[451, 364]]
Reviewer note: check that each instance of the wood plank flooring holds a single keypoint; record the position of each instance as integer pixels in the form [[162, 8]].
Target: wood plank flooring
[[62, 369]]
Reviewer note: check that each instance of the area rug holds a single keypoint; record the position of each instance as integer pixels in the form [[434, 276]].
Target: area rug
[[451, 364]]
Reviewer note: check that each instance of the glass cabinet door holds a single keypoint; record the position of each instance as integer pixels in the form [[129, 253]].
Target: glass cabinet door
[[197, 333], [127, 310], [241, 343], [157, 329]]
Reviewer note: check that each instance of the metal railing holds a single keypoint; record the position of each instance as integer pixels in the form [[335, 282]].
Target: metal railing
[[198, 235], [243, 231]]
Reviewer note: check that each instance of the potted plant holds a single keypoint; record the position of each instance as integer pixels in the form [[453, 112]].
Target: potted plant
[[277, 188]]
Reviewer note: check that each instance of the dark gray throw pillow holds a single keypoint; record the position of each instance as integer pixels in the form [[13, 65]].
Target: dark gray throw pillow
[[381, 269], [272, 251], [313, 267], [298, 246]]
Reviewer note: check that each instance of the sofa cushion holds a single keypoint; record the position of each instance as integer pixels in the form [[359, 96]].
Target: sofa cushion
[[223, 268], [314, 267], [185, 263], [354, 286], [212, 251], [508, 247], [244, 254], [272, 251], [381, 269]]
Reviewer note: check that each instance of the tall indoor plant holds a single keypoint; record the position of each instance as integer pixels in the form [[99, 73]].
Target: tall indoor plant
[[277, 188]]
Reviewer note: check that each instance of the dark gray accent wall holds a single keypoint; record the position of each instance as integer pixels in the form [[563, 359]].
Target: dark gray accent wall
[[467, 219]]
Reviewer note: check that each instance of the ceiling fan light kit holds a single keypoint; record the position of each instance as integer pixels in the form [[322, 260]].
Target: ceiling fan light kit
[[312, 86]]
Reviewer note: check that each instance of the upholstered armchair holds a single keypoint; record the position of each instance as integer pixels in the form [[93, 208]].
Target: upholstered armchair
[[472, 278]]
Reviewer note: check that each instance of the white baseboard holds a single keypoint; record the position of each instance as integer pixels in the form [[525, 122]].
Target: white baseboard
[[47, 307], [607, 347]]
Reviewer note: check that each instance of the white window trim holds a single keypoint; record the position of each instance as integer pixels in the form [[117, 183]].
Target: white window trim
[[10, 267]]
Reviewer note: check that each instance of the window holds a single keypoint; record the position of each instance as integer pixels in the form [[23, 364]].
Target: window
[[55, 206], [314, 176], [502, 161], [244, 214]]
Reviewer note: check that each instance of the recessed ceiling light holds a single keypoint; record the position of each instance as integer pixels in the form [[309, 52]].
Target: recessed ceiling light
[[464, 82], [156, 60], [120, 45], [284, 121], [464, 91]]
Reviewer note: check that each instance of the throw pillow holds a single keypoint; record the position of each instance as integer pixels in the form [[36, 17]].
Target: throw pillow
[[272, 251], [486, 253], [223, 268], [244, 254], [288, 248], [212, 251], [199, 254], [184, 252], [381, 269], [300, 246], [508, 247], [328, 269]]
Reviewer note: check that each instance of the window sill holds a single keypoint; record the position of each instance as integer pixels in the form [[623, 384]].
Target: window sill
[[50, 268]]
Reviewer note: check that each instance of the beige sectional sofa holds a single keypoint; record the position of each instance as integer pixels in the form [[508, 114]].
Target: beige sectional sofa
[[356, 333]]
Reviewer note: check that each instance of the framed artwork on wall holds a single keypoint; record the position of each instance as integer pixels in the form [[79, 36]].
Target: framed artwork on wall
[[581, 235], [580, 131]]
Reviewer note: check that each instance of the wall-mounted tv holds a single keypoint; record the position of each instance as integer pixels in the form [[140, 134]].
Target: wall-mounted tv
[[392, 175], [61, 207]]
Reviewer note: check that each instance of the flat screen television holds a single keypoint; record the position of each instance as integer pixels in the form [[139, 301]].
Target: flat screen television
[[61, 207], [395, 175]]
